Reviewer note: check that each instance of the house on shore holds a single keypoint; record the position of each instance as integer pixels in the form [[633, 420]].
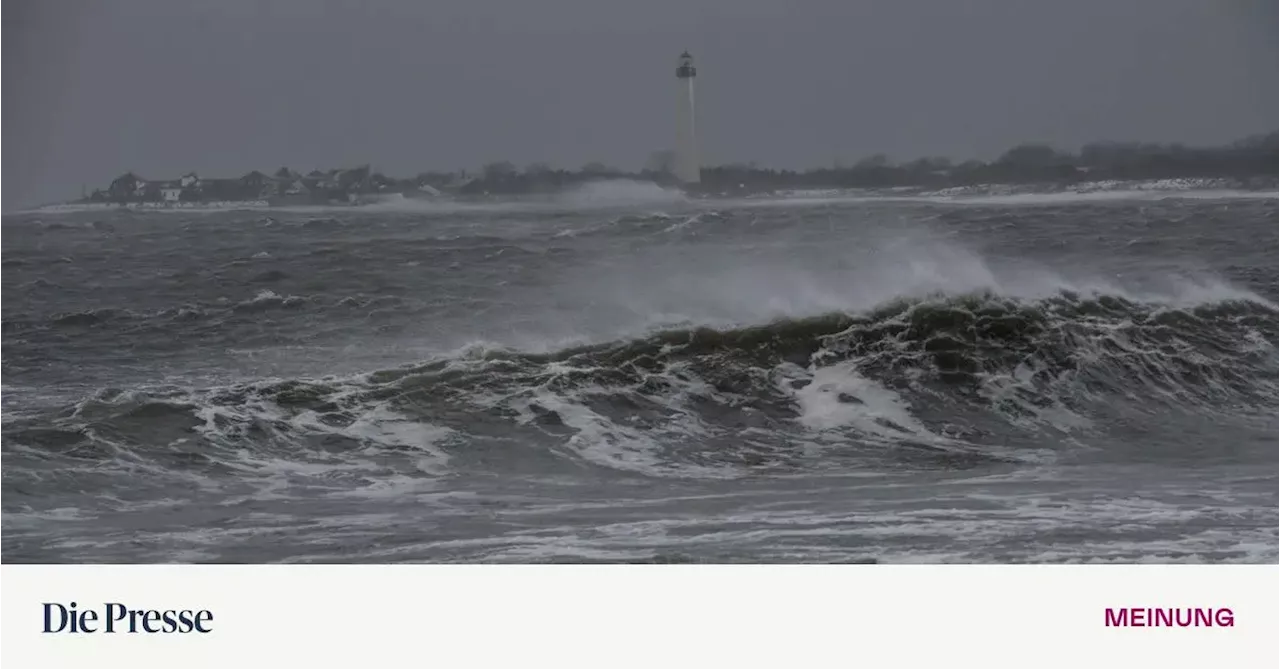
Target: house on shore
[[170, 191], [285, 186], [130, 187]]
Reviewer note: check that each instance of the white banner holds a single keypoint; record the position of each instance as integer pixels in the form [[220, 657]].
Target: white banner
[[640, 616]]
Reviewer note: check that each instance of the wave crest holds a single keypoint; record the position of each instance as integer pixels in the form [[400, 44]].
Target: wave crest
[[934, 380]]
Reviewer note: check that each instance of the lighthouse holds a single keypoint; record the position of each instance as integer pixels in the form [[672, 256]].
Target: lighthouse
[[687, 167]]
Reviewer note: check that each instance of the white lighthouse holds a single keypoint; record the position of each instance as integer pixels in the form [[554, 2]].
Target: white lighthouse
[[687, 168]]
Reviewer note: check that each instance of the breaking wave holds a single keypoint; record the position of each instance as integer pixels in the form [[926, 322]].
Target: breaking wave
[[931, 381]]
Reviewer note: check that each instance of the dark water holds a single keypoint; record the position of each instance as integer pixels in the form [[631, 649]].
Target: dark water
[[627, 376]]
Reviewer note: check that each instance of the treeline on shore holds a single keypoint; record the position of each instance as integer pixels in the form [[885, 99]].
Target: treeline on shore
[[1025, 164], [1255, 156], [1252, 158]]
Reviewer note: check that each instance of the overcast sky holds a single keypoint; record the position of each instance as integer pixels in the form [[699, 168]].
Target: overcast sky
[[92, 89]]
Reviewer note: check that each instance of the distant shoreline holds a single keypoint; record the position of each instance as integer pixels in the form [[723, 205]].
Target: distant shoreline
[[1099, 188], [107, 206], [1249, 163]]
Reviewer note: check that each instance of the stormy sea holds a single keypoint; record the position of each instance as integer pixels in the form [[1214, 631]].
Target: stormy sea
[[626, 374]]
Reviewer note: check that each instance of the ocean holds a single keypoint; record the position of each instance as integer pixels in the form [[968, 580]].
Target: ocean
[[624, 374]]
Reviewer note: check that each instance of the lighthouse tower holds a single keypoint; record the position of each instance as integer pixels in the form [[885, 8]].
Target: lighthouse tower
[[687, 168]]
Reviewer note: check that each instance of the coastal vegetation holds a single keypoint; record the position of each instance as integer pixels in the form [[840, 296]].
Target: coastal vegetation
[[1253, 158]]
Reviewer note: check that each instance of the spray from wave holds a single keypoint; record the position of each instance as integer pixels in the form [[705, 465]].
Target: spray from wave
[[674, 283], [619, 193]]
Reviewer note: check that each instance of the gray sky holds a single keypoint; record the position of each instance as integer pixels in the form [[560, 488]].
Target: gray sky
[[92, 89]]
